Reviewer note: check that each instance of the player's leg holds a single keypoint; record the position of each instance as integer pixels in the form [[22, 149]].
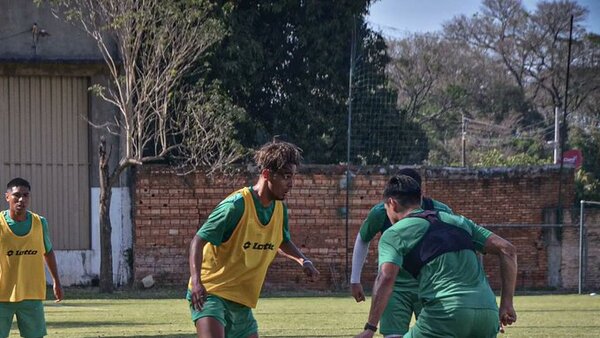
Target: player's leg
[[433, 323], [460, 322], [210, 322], [397, 315], [7, 312], [30, 318], [485, 323], [241, 321]]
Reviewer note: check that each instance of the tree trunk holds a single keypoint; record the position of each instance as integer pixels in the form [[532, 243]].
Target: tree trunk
[[106, 270]]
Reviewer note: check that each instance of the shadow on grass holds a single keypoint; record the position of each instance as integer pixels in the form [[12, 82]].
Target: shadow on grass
[[170, 335], [123, 293], [79, 324]]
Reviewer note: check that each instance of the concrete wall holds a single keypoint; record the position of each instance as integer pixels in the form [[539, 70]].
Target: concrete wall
[[64, 42], [82, 267], [511, 202]]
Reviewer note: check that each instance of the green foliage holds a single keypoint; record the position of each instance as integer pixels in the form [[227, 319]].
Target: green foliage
[[495, 158], [588, 177], [286, 63]]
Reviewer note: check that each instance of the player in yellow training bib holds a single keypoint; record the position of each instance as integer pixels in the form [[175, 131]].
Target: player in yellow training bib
[[230, 254], [24, 246]]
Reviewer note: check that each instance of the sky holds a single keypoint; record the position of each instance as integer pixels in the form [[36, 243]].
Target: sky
[[400, 17]]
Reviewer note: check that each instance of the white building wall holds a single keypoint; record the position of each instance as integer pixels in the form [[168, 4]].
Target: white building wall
[[80, 267]]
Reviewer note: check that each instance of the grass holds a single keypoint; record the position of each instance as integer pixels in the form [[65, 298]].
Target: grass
[[161, 313]]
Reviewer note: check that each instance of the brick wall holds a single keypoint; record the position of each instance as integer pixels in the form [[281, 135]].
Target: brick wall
[[170, 208]]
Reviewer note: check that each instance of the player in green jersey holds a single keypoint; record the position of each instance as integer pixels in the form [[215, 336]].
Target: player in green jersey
[[232, 251], [404, 300], [438, 249], [24, 248]]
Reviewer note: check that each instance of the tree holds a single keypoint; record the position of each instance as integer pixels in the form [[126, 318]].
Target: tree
[[158, 116], [503, 68], [286, 63], [381, 133], [533, 47], [442, 82]]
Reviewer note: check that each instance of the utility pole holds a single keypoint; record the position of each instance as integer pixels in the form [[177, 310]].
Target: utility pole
[[556, 135], [464, 142]]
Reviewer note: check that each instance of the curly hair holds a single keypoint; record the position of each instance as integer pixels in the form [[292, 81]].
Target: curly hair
[[277, 154]]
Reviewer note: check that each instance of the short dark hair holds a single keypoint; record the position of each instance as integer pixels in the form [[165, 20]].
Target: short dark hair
[[410, 172], [277, 154], [404, 189], [18, 182]]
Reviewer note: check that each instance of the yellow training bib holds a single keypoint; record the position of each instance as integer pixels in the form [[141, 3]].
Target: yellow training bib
[[22, 275], [236, 269]]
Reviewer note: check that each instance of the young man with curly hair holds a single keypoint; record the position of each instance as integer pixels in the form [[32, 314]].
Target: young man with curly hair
[[230, 254]]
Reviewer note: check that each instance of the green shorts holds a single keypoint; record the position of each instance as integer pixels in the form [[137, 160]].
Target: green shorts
[[397, 315], [236, 318], [458, 323], [30, 318]]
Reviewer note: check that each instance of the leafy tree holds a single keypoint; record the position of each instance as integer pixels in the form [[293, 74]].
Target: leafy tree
[[286, 63], [532, 46], [158, 116], [495, 158], [588, 176]]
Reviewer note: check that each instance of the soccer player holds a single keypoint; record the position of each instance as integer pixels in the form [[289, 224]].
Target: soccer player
[[438, 249], [24, 246], [404, 300], [230, 254]]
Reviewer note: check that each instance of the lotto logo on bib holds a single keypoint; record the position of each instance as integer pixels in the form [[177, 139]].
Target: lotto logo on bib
[[10, 253], [259, 246]]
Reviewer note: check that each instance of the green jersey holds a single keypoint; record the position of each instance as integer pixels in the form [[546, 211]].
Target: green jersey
[[377, 221], [223, 219], [451, 280]]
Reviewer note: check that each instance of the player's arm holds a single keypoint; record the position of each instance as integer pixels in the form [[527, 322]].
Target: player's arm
[[198, 291], [50, 259], [391, 255], [359, 254], [384, 284], [497, 245], [217, 229], [290, 250], [372, 224]]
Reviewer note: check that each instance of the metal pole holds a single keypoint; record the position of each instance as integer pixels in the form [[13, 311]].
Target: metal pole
[[464, 142], [582, 202], [563, 129], [349, 138], [556, 135]]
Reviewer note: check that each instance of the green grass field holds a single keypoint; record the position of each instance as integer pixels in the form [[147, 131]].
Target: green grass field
[[136, 315]]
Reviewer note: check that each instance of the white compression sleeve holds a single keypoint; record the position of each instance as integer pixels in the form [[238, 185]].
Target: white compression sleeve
[[361, 249]]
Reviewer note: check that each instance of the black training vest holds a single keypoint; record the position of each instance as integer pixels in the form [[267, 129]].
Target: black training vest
[[439, 239]]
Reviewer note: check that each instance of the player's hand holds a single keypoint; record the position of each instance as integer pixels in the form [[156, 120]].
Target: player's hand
[[309, 269], [365, 334], [508, 315], [58, 292], [357, 292], [199, 295]]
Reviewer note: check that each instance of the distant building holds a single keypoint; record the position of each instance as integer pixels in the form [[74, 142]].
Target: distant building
[[46, 68]]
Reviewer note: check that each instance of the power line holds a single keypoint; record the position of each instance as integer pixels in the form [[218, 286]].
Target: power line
[[15, 34]]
